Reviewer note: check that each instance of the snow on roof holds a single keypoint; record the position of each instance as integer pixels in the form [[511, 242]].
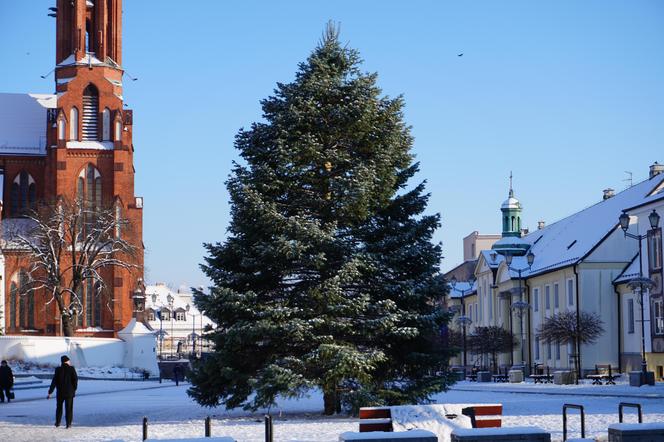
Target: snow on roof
[[156, 297], [461, 288], [11, 228], [630, 272], [511, 203], [658, 195], [567, 241], [97, 145], [23, 120], [135, 327]]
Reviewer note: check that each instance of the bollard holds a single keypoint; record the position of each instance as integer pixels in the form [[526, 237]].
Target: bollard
[[627, 404], [208, 427], [145, 428], [583, 420], [269, 436]]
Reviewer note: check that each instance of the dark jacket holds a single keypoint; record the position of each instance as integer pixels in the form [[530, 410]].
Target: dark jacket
[[6, 377], [65, 380]]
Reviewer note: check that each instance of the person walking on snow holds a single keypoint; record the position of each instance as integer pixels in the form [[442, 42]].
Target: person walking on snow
[[65, 381], [6, 381]]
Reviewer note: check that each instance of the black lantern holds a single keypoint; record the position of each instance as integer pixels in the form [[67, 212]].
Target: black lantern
[[624, 221], [531, 258], [508, 259], [654, 219]]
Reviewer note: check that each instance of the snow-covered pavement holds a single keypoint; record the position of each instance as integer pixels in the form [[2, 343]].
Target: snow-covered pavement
[[113, 410]]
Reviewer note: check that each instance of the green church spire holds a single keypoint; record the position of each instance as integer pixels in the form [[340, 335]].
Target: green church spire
[[511, 214]]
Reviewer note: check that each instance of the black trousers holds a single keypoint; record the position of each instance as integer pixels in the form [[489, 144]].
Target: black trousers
[[69, 410], [4, 391]]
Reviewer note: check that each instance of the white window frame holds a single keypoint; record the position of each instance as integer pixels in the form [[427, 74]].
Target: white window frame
[[570, 292], [547, 297], [556, 296], [536, 303], [658, 313], [630, 315]]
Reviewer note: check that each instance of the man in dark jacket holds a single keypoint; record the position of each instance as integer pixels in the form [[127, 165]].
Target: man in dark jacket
[[6, 381], [65, 381]]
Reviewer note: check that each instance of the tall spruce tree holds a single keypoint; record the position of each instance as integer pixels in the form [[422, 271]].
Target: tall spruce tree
[[328, 277]]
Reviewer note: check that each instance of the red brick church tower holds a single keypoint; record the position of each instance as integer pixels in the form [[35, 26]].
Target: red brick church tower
[[85, 151]]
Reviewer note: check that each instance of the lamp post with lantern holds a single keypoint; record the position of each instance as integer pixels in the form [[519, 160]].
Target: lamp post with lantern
[[170, 300], [641, 283], [463, 321], [519, 307]]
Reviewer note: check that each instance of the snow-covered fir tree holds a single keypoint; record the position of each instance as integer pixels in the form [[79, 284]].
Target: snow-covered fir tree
[[328, 277]]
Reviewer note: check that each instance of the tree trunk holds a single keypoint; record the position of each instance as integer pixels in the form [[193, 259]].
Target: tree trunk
[[329, 401], [67, 325]]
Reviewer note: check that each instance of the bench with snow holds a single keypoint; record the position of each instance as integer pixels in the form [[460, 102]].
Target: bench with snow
[[647, 432], [389, 436], [541, 374], [504, 434], [481, 416], [603, 373]]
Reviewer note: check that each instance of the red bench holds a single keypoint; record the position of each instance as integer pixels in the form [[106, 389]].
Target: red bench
[[380, 418]]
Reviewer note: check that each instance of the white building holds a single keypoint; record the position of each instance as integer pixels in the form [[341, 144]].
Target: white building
[[178, 323]]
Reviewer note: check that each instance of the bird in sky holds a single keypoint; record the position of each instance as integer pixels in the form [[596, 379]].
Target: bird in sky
[[460, 55]]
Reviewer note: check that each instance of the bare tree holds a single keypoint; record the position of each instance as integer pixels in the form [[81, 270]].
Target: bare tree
[[70, 243], [491, 340], [565, 327]]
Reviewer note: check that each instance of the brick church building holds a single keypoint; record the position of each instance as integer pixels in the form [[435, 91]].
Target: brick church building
[[76, 143]]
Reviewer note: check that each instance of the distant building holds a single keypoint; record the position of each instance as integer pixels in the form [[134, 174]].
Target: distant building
[[581, 263], [178, 323]]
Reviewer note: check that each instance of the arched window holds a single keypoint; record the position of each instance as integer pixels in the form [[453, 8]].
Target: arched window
[[90, 113], [513, 229], [92, 303], [106, 125], [73, 124], [118, 130], [88, 185], [61, 129], [19, 294], [23, 194]]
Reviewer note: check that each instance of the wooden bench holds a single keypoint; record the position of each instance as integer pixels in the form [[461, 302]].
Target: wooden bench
[[481, 416], [542, 375], [501, 376], [603, 373]]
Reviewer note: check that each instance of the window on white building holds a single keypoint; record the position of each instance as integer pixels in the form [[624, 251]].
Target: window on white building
[[536, 300], [557, 351], [630, 316], [537, 348], [658, 308], [179, 316], [165, 315], [655, 249], [570, 292], [151, 315], [488, 294], [556, 296], [548, 350], [547, 297]]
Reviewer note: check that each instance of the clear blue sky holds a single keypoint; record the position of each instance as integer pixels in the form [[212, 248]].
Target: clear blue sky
[[567, 94]]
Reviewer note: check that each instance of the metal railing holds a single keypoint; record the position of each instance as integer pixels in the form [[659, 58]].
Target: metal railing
[[623, 405], [583, 419]]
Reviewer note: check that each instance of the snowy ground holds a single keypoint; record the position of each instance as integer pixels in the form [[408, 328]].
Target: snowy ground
[[113, 410]]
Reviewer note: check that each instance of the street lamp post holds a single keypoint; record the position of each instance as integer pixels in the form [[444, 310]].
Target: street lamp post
[[161, 333], [640, 283], [170, 300], [520, 306], [463, 320]]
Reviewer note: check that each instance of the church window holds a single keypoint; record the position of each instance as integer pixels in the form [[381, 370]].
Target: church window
[[73, 124], [19, 294], [118, 130], [23, 193], [92, 303], [89, 186], [90, 113], [61, 129], [106, 125]]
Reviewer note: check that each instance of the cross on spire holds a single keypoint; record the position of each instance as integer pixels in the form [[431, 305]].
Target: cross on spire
[[511, 190]]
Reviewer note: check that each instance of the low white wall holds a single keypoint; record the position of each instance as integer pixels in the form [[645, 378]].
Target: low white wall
[[83, 352]]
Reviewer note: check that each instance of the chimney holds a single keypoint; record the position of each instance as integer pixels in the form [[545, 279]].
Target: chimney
[[609, 193], [656, 169], [540, 225]]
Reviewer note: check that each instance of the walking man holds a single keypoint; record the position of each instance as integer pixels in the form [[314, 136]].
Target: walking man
[[6, 381], [65, 381]]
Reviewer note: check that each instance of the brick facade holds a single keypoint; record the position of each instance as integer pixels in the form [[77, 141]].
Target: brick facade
[[88, 78]]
